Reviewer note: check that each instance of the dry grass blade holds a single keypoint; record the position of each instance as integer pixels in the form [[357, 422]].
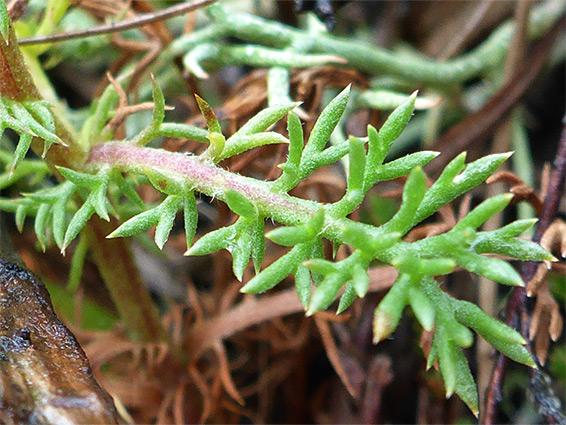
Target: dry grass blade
[[332, 354], [225, 376]]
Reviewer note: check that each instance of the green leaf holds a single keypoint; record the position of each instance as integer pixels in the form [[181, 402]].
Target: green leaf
[[77, 223], [413, 194], [241, 205], [59, 220], [422, 307], [400, 167], [514, 229], [517, 248], [90, 181], [4, 21], [98, 200], [264, 119], [258, 243], [238, 145], [456, 374], [278, 270], [360, 280], [136, 224], [242, 248], [21, 149], [167, 212], [41, 224], [290, 236], [296, 140], [395, 124], [190, 217], [473, 317], [213, 241], [165, 182], [484, 211], [326, 292], [326, 123], [388, 312], [450, 184], [358, 237], [303, 285], [159, 104], [127, 189], [347, 298], [21, 213], [321, 266], [357, 164], [492, 268]]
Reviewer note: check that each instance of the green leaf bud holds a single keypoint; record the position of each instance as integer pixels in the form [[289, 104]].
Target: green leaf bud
[[167, 183], [241, 205]]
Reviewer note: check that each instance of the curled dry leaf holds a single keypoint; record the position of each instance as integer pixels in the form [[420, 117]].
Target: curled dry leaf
[[520, 190], [546, 323]]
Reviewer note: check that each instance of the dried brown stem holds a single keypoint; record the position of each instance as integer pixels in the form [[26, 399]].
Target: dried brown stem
[[142, 20], [516, 314]]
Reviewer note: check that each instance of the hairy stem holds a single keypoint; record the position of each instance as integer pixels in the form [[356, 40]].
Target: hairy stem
[[113, 258]]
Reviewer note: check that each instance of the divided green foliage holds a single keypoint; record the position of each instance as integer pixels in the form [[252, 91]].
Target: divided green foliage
[[28, 119], [62, 212]]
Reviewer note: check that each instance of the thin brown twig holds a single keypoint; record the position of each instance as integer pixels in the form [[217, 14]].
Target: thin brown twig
[[142, 20], [477, 126], [516, 315]]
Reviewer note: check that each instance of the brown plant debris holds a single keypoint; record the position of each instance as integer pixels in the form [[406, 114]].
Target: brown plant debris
[[45, 376]]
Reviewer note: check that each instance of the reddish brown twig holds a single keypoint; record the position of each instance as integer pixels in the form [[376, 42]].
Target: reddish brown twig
[[516, 313]]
